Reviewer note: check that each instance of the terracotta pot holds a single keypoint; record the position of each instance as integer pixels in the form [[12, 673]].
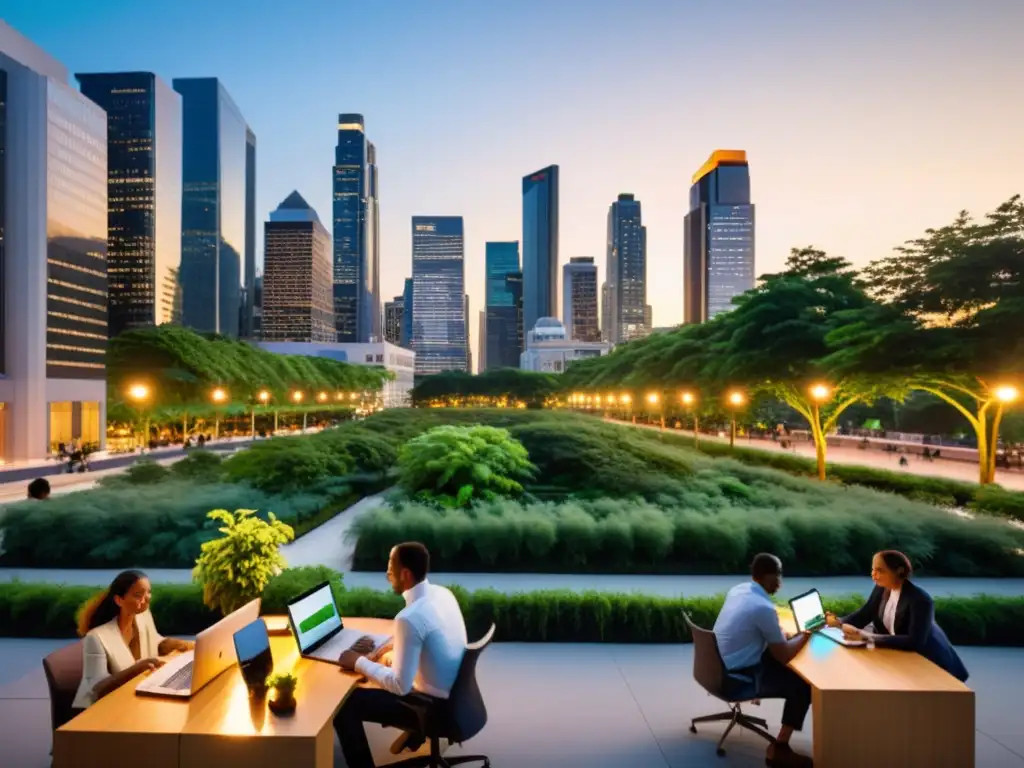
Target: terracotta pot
[[282, 705]]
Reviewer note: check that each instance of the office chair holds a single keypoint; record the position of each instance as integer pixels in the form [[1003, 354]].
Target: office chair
[[63, 669], [456, 719], [732, 688]]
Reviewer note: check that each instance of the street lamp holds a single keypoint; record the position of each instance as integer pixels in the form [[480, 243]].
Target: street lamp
[[140, 394], [820, 393], [736, 400], [264, 398], [689, 400], [322, 397], [218, 396], [627, 401], [1007, 394], [654, 400], [297, 398]]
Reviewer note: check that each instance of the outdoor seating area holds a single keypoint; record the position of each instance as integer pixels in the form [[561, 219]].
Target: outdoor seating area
[[572, 706]]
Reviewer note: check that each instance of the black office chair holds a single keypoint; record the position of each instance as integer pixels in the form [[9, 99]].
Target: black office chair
[[732, 688], [458, 718]]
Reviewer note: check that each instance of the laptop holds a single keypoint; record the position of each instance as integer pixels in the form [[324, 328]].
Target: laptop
[[186, 674], [809, 614], [318, 628], [252, 648]]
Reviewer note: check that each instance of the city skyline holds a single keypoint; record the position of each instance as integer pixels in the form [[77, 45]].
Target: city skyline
[[825, 140]]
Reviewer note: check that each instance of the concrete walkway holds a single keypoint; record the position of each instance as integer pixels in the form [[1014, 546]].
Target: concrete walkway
[[951, 470], [329, 543], [574, 706]]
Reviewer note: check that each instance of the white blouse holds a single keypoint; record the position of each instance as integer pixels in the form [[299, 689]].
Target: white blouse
[[889, 612], [106, 654]]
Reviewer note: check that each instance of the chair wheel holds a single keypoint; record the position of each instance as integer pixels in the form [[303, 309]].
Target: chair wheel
[[720, 752], [693, 728]]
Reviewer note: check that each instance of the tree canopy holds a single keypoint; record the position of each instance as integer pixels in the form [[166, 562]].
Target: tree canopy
[[510, 384]]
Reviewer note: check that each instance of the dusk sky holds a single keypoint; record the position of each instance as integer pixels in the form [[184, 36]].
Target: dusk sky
[[864, 124]]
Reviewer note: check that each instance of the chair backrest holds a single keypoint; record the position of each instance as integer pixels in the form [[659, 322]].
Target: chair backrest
[[467, 714], [708, 666], [63, 670]]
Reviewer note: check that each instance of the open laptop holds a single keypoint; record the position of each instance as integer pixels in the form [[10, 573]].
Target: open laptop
[[186, 674], [809, 614], [252, 648], [318, 629]]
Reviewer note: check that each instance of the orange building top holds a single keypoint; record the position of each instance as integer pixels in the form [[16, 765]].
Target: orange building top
[[720, 157]]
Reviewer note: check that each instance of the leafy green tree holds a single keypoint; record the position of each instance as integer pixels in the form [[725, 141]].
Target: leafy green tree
[[236, 567], [951, 299], [286, 464], [456, 465], [511, 384]]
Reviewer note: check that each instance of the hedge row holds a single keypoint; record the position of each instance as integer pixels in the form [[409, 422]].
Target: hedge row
[[48, 610]]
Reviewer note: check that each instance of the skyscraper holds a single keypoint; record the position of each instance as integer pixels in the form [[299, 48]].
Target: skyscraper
[[579, 299], [406, 337], [626, 269], [438, 294], [718, 244], [540, 245], [394, 312], [606, 311], [53, 256], [515, 286], [481, 333], [469, 347], [502, 344], [143, 196], [248, 327], [298, 293], [215, 164], [356, 234]]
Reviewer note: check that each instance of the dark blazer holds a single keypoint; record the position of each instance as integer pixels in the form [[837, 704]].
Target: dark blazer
[[914, 627]]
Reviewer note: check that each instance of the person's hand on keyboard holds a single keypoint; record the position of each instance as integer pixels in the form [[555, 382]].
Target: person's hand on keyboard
[[147, 665], [363, 645], [359, 648]]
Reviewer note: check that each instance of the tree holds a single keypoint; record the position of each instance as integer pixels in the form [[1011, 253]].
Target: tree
[[953, 304], [502, 384], [774, 343]]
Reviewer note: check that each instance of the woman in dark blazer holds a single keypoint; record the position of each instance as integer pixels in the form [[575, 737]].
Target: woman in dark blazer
[[901, 615]]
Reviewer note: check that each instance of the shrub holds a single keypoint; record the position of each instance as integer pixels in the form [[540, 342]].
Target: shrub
[[144, 471], [286, 464], [831, 531], [199, 466], [458, 465], [237, 567], [368, 451], [993, 500], [48, 610]]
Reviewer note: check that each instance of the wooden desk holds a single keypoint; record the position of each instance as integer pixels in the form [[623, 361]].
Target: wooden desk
[[218, 727], [883, 705]]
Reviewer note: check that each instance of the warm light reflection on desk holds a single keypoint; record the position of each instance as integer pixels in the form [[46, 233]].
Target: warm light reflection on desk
[[245, 715]]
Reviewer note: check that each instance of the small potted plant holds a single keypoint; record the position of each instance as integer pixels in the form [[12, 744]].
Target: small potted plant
[[282, 702]]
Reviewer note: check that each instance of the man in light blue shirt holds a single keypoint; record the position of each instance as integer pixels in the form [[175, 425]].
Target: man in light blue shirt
[[751, 641]]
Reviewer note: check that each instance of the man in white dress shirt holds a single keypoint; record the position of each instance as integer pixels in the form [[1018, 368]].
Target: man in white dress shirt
[[429, 643]]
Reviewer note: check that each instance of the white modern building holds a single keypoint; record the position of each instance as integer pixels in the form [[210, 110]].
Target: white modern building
[[53, 256], [398, 360], [550, 350]]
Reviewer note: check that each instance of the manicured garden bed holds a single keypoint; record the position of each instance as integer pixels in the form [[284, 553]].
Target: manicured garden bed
[[48, 610]]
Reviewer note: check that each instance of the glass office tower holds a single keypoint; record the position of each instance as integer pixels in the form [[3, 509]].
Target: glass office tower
[[393, 313], [626, 269], [540, 245], [356, 234], [143, 196], [247, 323], [215, 162], [438, 296], [579, 299], [718, 255], [405, 339], [501, 325]]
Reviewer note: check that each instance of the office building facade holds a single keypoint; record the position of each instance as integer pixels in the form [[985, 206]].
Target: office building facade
[[626, 270], [298, 286], [502, 315], [540, 245], [143, 196], [394, 312], [550, 350], [438, 294], [515, 286], [718, 244], [405, 340], [53, 247], [215, 152], [357, 305], [247, 324], [579, 299]]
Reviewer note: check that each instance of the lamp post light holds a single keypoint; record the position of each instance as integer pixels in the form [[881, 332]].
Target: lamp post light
[[297, 397], [820, 394], [736, 400], [655, 402], [627, 400], [140, 394], [219, 396], [689, 400], [1007, 394], [264, 398], [610, 400]]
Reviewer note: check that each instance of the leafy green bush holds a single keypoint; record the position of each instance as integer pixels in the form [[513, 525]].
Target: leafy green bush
[[456, 465], [369, 451], [993, 500], [199, 466], [48, 610], [286, 464], [144, 471], [721, 520], [237, 566]]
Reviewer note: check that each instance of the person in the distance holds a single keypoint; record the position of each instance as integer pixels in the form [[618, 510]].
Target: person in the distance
[[901, 615], [120, 638]]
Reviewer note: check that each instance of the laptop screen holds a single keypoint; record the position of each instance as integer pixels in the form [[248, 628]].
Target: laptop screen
[[314, 617], [808, 611]]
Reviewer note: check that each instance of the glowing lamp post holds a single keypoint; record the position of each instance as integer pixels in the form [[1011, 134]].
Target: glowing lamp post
[[689, 401], [139, 394], [264, 398], [627, 400], [297, 397], [736, 400], [655, 402], [820, 394], [219, 397]]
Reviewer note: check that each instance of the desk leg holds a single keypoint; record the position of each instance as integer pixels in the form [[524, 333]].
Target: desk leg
[[910, 729]]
